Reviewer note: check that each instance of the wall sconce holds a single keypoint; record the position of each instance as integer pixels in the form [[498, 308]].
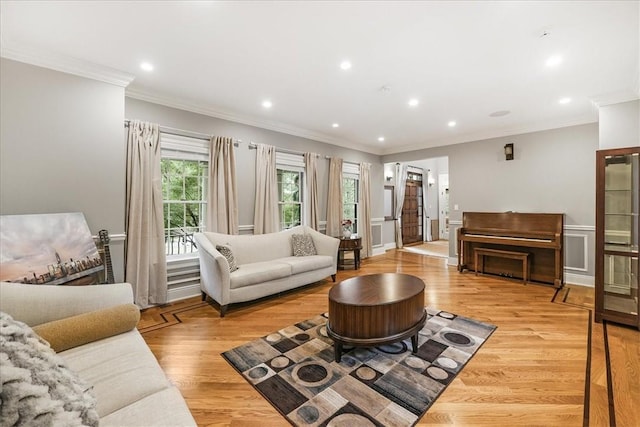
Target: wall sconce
[[508, 152], [431, 181], [388, 177]]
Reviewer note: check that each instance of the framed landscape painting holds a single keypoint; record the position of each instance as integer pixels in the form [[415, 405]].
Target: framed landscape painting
[[49, 249]]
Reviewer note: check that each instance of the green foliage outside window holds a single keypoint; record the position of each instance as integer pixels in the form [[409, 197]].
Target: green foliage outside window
[[289, 198], [350, 201], [184, 187]]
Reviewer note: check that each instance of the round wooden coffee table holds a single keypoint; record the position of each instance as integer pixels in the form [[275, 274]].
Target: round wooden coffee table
[[376, 309]]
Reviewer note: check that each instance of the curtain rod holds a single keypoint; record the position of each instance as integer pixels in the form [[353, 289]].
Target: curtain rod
[[186, 133], [344, 161], [253, 146]]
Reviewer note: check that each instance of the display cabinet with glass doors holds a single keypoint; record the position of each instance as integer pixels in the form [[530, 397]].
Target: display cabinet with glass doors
[[617, 216]]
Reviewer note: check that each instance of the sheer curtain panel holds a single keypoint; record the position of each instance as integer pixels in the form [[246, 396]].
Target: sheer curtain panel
[[311, 168], [365, 209], [334, 198], [401, 174], [145, 259], [265, 217], [222, 212]]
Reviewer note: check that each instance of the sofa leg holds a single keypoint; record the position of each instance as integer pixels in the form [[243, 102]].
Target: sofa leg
[[223, 310], [333, 277], [204, 296]]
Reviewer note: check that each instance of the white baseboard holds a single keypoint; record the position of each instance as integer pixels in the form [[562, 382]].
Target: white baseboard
[[183, 292], [579, 279], [389, 246], [378, 251], [453, 261]]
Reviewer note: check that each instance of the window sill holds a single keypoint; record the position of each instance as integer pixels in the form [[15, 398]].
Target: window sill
[[183, 260]]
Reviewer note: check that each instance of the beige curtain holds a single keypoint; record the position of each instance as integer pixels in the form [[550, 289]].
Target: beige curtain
[[145, 259], [222, 209], [311, 168], [334, 198], [401, 182], [364, 205], [265, 217]]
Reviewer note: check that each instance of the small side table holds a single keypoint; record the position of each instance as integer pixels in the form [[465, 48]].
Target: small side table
[[351, 244]]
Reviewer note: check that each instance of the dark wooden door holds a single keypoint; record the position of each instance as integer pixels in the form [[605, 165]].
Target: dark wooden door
[[412, 213]]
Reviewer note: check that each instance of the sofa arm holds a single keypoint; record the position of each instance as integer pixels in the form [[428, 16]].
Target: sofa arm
[[214, 270], [37, 304], [325, 245]]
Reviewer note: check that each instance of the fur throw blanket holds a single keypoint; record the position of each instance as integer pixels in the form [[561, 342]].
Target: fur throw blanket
[[37, 388]]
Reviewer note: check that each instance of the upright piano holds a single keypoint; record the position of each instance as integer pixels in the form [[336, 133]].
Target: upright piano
[[538, 234]]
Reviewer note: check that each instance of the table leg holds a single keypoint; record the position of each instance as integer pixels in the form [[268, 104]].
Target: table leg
[[337, 348], [414, 343], [356, 260]]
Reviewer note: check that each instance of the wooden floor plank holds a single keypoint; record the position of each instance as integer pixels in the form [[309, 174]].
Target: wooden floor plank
[[530, 372]]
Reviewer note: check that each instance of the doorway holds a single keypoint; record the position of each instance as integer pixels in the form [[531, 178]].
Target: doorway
[[412, 210], [443, 203]]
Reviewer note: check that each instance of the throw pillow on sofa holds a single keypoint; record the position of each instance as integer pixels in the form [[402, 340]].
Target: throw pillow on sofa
[[84, 328], [226, 252], [38, 389], [302, 245]]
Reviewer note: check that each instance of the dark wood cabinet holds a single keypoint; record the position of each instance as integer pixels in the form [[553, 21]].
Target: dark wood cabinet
[[617, 220]]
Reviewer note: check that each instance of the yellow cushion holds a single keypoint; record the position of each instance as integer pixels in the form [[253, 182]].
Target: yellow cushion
[[88, 327]]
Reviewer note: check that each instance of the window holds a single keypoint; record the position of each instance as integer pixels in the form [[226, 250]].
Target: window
[[350, 193], [289, 198], [290, 171], [350, 201], [185, 171]]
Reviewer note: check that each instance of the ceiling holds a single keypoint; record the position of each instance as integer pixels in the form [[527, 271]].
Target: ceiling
[[461, 60]]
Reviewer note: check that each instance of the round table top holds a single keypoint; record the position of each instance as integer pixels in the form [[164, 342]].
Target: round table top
[[376, 289]]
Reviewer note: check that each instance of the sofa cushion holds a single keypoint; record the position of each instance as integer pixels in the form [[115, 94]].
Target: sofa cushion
[[84, 328], [164, 408], [307, 263], [259, 272], [121, 369], [227, 252], [37, 388], [302, 245]]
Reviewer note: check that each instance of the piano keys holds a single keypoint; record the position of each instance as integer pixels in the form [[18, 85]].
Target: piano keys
[[538, 234]]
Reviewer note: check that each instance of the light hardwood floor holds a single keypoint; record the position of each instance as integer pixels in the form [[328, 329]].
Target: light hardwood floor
[[534, 369]]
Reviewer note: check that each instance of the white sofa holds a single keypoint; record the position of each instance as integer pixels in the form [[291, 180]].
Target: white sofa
[[130, 387], [266, 264]]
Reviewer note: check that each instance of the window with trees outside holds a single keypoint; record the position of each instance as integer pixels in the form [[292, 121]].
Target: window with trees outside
[[185, 171], [289, 198], [350, 199]]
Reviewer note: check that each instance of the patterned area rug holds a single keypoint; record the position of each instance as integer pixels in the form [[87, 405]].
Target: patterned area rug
[[295, 370]]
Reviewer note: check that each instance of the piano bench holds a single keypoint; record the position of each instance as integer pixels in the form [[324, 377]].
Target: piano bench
[[522, 256]]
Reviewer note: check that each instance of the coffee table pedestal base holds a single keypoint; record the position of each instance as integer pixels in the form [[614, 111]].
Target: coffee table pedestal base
[[340, 341]]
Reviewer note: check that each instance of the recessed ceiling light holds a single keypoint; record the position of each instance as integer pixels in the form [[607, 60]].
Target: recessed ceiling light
[[345, 65], [554, 60], [146, 66], [413, 102], [451, 124], [335, 125], [381, 138], [267, 104], [565, 100]]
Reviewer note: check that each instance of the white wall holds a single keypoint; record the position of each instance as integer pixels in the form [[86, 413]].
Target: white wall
[[553, 171], [62, 148], [620, 125]]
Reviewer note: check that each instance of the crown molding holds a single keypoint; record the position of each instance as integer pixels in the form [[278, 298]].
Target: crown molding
[[495, 133], [616, 97], [263, 124], [66, 64]]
